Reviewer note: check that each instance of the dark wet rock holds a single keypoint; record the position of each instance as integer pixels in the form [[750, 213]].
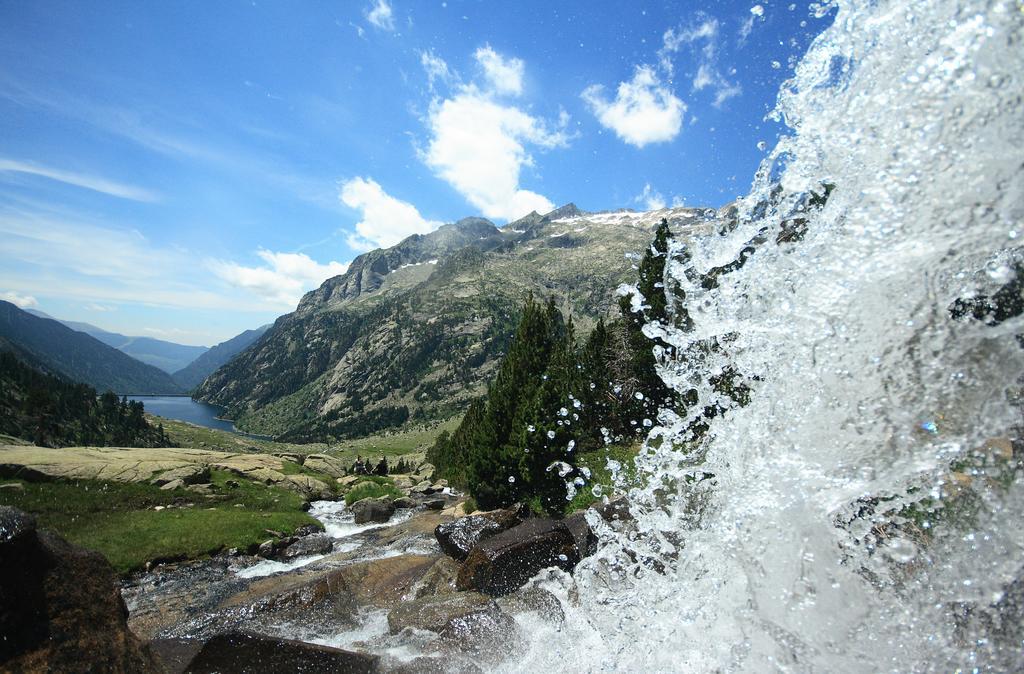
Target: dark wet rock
[[254, 654], [491, 635], [614, 510], [308, 530], [458, 537], [439, 579], [434, 613], [529, 599], [584, 537], [317, 544], [14, 524], [267, 548], [440, 664], [373, 510], [504, 562], [60, 605], [174, 655], [404, 503], [435, 504]]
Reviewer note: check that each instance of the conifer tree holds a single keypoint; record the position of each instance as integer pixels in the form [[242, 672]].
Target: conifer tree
[[549, 434]]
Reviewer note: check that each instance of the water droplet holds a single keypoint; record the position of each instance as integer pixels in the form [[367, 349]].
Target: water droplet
[[551, 435], [762, 146], [511, 479]]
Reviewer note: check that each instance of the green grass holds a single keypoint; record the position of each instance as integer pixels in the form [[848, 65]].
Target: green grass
[[118, 520], [411, 443], [600, 476], [184, 434], [371, 490], [394, 444]]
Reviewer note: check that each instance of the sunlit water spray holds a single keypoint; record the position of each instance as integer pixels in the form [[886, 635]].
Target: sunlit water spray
[[864, 510]]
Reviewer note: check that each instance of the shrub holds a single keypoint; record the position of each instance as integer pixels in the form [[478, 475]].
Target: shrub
[[371, 490]]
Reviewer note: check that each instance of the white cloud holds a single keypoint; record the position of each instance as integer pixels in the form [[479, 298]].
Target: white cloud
[[479, 147], [94, 183], [746, 28], [436, 68], [651, 198], [673, 39], [644, 110], [23, 301], [50, 251], [504, 76], [92, 306], [282, 279], [381, 15], [385, 219], [708, 75]]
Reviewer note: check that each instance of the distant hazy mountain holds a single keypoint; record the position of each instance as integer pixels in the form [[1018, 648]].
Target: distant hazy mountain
[[414, 332], [167, 356], [206, 364], [78, 356]]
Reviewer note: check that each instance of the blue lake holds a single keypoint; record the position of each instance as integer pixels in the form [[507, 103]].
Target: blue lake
[[184, 408]]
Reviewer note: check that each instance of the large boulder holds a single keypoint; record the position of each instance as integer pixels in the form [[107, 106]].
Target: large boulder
[[434, 613], [306, 486], [255, 654], [404, 503], [484, 635], [60, 606], [316, 544], [324, 463], [373, 510], [504, 562], [193, 474], [438, 580], [425, 471], [459, 536], [423, 487]]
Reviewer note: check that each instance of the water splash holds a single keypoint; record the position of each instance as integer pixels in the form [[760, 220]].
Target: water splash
[[856, 506]]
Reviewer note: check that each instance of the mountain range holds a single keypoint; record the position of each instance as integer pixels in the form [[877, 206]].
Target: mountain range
[[412, 333], [60, 350], [193, 374], [167, 356]]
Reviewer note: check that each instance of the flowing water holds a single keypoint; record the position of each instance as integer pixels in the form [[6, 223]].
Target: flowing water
[[862, 513]]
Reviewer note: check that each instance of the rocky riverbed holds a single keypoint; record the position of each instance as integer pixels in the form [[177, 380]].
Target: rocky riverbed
[[428, 591]]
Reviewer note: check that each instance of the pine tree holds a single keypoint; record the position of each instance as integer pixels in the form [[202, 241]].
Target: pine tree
[[549, 435]]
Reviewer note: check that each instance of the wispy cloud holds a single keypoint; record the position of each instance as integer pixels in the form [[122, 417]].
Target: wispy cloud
[[437, 69], [643, 111], [381, 15], [704, 37], [23, 301], [650, 198], [479, 145], [51, 252], [89, 182], [385, 219], [283, 277]]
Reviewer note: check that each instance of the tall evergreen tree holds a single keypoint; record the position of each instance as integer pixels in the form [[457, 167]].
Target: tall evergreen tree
[[549, 434]]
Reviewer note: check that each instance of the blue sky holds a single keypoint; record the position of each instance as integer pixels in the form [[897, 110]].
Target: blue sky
[[186, 170]]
